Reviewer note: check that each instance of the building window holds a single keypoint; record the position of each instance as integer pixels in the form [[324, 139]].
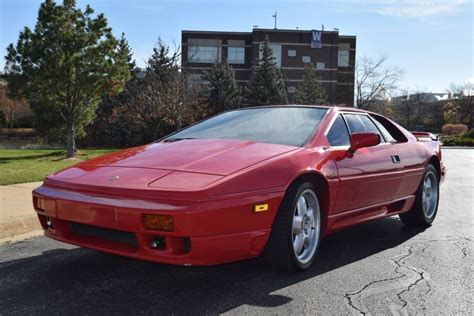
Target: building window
[[291, 53], [306, 59], [203, 54], [276, 49], [236, 55], [204, 50], [291, 89], [320, 65], [343, 55]]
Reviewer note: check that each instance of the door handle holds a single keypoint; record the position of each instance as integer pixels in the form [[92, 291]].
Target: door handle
[[395, 159]]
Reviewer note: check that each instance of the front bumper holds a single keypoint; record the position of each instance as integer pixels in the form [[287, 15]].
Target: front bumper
[[205, 233]]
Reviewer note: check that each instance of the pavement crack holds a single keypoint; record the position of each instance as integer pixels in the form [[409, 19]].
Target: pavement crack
[[421, 277], [410, 286], [348, 296], [401, 269]]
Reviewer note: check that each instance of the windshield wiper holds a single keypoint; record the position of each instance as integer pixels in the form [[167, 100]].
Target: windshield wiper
[[171, 140]]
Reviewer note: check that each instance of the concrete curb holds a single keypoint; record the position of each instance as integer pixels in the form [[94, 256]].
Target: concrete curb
[[17, 215], [456, 147], [20, 237], [18, 226]]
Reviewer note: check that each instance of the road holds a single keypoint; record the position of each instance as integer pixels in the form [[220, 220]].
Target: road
[[377, 268]]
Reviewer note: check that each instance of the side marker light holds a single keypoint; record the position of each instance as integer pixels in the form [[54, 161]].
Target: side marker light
[[260, 208]]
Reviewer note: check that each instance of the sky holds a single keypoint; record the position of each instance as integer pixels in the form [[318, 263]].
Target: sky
[[431, 40]]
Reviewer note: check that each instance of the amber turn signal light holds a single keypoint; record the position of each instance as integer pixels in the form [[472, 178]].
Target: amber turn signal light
[[260, 208], [158, 222], [38, 203]]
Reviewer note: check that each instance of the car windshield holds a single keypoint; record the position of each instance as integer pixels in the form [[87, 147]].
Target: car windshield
[[277, 125]]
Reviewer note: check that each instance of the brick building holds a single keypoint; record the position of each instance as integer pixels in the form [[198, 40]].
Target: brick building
[[333, 58]]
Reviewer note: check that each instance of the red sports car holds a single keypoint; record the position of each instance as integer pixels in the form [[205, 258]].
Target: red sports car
[[268, 180]]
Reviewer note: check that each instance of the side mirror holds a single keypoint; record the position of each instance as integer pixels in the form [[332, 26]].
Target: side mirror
[[362, 140]]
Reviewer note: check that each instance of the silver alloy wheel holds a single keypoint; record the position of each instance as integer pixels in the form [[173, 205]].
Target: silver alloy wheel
[[306, 226], [430, 194]]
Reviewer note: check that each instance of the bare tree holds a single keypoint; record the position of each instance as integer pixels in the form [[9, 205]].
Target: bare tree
[[460, 106], [408, 109], [374, 80], [469, 89], [171, 98], [457, 91], [14, 109], [162, 99]]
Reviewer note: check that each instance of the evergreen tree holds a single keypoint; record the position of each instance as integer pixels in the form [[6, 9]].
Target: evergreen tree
[[221, 91], [63, 67], [162, 64], [311, 90], [124, 52], [106, 130], [163, 99], [266, 84]]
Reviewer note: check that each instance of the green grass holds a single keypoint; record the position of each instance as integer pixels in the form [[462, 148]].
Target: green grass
[[29, 165]]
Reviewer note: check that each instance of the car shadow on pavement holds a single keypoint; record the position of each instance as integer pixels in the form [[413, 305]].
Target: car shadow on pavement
[[81, 281]]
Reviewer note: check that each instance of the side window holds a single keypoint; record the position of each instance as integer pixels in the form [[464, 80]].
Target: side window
[[338, 134], [392, 129], [355, 125], [361, 124], [385, 133]]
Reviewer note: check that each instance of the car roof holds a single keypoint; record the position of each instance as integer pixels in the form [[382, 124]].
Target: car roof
[[335, 107]]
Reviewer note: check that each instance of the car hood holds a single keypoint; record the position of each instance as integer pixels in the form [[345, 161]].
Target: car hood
[[185, 165], [217, 157]]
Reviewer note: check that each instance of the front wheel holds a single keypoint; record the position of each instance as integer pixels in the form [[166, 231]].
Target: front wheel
[[296, 232], [425, 207]]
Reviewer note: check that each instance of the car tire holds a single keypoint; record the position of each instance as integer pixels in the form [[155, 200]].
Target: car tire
[[297, 225], [425, 207]]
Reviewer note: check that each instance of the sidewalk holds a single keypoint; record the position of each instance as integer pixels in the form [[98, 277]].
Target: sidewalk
[[17, 216]]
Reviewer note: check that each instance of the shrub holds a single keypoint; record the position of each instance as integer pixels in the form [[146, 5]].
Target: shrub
[[466, 139], [458, 141], [21, 133], [454, 129], [460, 129], [470, 133], [448, 129]]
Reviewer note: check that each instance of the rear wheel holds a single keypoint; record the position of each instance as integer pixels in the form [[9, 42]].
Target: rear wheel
[[425, 207], [296, 232]]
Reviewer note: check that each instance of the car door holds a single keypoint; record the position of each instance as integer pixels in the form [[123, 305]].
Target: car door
[[412, 161], [372, 175]]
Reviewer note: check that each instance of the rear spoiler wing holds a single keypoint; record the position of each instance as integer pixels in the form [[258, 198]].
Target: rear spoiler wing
[[424, 136]]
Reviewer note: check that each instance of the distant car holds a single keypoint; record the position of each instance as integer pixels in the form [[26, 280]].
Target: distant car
[[267, 180]]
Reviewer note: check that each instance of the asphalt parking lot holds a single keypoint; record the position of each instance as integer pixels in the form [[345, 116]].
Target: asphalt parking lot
[[378, 268]]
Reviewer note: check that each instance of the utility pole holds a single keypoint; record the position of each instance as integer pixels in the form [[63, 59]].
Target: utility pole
[[275, 17]]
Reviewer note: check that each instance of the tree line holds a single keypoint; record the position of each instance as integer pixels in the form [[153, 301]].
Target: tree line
[[79, 85], [376, 89], [83, 86]]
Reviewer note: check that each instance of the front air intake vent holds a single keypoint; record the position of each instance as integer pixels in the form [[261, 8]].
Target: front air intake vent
[[113, 235]]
